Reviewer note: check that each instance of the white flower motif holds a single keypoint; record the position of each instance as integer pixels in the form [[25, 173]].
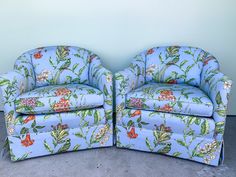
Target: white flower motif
[[11, 130], [109, 78], [227, 85], [22, 87], [43, 76], [151, 69]]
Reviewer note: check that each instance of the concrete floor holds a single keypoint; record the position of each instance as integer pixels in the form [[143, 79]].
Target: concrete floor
[[112, 162]]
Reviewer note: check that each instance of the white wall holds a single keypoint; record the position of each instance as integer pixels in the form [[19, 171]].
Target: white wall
[[118, 29]]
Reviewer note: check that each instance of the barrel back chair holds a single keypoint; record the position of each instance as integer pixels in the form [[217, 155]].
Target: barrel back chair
[[57, 99], [173, 100]]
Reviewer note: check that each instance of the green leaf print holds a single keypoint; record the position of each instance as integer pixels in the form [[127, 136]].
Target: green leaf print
[[119, 77], [221, 113], [97, 117], [46, 145], [75, 66], [24, 130], [76, 147], [176, 154], [165, 149], [65, 147], [4, 82], [61, 53], [182, 143], [205, 127], [130, 123], [197, 121], [109, 102], [105, 90], [218, 98], [220, 127], [148, 144], [79, 134], [39, 104]]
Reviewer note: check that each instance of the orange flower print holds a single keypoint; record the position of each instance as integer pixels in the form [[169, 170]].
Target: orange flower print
[[150, 51], [38, 55], [29, 118], [206, 60], [27, 141], [166, 108], [131, 134], [166, 95], [172, 82], [136, 113], [62, 106], [62, 91]]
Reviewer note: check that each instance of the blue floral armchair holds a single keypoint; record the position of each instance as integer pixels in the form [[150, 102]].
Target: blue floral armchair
[[57, 99], [173, 101]]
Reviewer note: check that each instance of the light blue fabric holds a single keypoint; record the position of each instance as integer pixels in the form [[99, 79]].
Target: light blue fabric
[[174, 65], [173, 98], [60, 65], [60, 140], [173, 123], [69, 82], [144, 126], [59, 98], [47, 122]]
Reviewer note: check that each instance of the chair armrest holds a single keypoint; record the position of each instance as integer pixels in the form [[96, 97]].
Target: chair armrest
[[101, 78], [127, 80], [217, 86], [12, 84]]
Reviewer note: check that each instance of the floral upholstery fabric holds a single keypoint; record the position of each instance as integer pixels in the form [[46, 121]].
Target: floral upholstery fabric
[[60, 65], [67, 120], [72, 85], [60, 140], [193, 137], [173, 98], [174, 65], [59, 98], [172, 123]]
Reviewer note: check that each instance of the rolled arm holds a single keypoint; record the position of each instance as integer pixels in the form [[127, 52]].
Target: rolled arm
[[101, 78], [12, 84], [217, 86], [127, 80]]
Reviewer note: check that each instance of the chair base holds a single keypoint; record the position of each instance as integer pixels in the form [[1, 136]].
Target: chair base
[[60, 140], [195, 148]]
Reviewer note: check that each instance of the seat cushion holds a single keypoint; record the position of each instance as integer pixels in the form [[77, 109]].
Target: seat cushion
[[172, 98], [59, 98], [66, 120], [166, 122]]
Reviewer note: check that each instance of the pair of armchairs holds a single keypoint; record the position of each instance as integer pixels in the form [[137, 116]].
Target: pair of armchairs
[[170, 100]]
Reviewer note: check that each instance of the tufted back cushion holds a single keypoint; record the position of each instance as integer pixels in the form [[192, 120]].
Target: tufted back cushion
[[174, 64], [60, 65]]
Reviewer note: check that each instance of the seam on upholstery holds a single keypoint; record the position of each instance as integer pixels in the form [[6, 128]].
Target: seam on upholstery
[[71, 128], [54, 96], [53, 112], [176, 101], [175, 112]]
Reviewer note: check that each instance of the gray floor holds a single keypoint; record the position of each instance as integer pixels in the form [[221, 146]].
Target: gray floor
[[108, 162]]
